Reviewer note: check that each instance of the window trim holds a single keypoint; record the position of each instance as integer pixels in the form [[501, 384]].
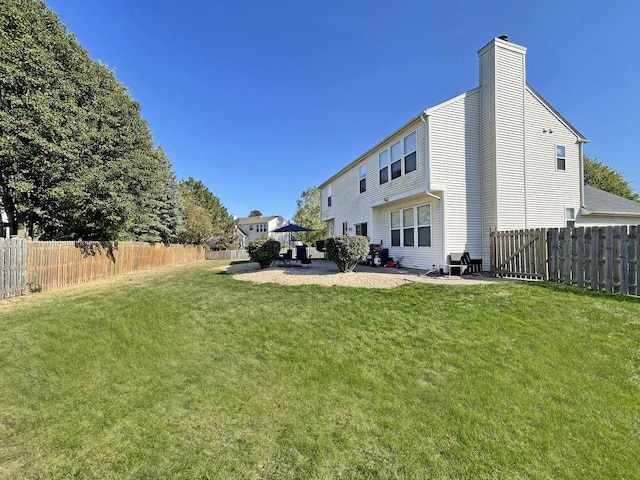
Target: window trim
[[414, 227], [388, 167], [362, 174], [562, 158]]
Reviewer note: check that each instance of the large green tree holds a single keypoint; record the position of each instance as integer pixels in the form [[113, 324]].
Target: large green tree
[[599, 175], [76, 157], [308, 215], [207, 218]]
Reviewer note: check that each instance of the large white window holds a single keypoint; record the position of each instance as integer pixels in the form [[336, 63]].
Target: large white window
[[261, 227], [411, 227], [392, 158], [362, 173], [329, 196]]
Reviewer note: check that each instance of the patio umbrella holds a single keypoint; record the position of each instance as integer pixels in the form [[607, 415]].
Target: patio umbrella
[[292, 227]]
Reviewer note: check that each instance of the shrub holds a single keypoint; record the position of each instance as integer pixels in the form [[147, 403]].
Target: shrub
[[346, 250], [263, 250]]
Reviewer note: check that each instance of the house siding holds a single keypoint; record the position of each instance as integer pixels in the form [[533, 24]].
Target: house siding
[[456, 166], [511, 207], [549, 191]]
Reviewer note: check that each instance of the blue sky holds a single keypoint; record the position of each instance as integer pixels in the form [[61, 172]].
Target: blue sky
[[262, 99]]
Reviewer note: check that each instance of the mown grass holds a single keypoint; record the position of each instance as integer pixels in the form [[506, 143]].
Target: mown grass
[[187, 373]]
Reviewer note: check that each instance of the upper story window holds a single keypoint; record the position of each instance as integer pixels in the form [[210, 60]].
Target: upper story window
[[383, 165], [362, 173], [392, 158], [329, 196], [396, 157], [261, 227], [561, 159], [410, 153]]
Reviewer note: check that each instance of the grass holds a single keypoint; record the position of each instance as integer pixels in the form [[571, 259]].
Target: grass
[[187, 373]]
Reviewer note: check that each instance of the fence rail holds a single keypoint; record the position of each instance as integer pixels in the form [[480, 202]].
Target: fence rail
[[55, 264], [605, 259], [13, 265]]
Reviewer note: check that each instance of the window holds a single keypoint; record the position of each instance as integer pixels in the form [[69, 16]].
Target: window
[[405, 149], [395, 229], [383, 165], [361, 229], [570, 216], [414, 224], [329, 196], [345, 229], [407, 227], [410, 153], [261, 227], [424, 226], [561, 160], [362, 171], [396, 157]]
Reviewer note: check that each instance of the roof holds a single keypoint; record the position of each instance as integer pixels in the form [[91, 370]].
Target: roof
[[599, 202], [255, 220]]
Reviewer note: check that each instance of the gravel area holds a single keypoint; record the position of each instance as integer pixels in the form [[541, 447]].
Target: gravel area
[[322, 272]]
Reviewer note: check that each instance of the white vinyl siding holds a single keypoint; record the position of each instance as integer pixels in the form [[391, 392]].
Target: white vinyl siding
[[455, 157], [549, 190]]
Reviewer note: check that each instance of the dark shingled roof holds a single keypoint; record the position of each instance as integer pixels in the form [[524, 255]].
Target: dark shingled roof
[[600, 202]]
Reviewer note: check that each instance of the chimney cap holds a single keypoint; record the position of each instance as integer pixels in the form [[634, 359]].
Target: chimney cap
[[504, 37]]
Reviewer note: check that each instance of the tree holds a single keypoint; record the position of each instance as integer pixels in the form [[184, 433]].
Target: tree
[[599, 175], [220, 225], [76, 158], [255, 213], [308, 215]]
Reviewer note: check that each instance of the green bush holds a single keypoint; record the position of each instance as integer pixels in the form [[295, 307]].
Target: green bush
[[346, 250], [263, 250]]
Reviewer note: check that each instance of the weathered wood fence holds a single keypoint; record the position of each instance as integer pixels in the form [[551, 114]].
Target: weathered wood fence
[[13, 267], [599, 258], [55, 264], [226, 255]]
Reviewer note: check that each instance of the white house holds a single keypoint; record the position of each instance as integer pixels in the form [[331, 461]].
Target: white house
[[497, 157], [250, 228]]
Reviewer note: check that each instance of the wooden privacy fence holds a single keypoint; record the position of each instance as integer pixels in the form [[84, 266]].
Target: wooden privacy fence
[[600, 258], [519, 253], [55, 264], [226, 255], [13, 267]]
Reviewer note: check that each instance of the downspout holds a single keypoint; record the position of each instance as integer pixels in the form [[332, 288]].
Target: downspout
[[427, 155]]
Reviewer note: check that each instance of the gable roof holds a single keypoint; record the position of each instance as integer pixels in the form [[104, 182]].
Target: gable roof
[[255, 220], [599, 202], [547, 105]]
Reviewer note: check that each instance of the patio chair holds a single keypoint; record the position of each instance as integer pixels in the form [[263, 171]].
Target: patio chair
[[301, 255], [286, 257]]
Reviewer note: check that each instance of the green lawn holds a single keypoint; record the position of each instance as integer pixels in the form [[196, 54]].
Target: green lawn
[[187, 373]]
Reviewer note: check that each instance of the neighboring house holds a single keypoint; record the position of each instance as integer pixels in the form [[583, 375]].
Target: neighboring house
[[497, 157], [604, 208], [250, 228]]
